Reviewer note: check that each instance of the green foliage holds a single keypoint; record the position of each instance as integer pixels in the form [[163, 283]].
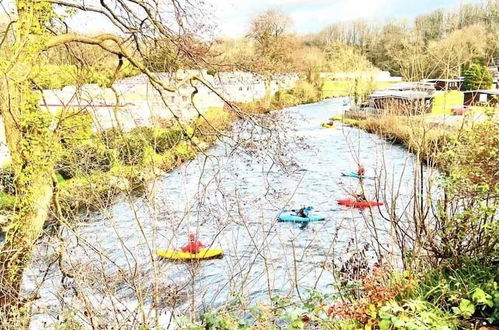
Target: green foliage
[[471, 161], [477, 76], [164, 140], [7, 201], [414, 314], [73, 126], [469, 289], [50, 76]]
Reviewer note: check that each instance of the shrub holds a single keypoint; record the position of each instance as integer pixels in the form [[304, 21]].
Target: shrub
[[305, 92], [469, 290], [50, 76], [166, 139], [84, 159]]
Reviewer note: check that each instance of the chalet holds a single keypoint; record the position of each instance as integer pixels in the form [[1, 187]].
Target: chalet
[[405, 102], [446, 84], [482, 97]]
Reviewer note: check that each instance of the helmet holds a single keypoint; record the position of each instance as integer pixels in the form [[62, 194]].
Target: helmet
[[192, 237]]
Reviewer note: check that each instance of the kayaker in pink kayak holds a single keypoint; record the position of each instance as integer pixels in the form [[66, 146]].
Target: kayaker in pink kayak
[[193, 246]]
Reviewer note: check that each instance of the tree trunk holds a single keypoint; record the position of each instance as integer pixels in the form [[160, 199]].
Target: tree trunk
[[32, 147], [268, 92]]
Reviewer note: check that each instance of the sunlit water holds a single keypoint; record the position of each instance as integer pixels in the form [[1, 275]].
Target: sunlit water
[[231, 200]]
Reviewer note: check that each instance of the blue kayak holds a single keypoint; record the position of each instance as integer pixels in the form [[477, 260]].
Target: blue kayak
[[355, 175], [290, 216]]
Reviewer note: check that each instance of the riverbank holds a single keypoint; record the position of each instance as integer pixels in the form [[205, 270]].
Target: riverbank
[[418, 136], [95, 168]]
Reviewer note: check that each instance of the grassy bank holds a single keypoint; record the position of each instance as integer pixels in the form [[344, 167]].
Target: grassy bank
[[303, 93], [422, 139]]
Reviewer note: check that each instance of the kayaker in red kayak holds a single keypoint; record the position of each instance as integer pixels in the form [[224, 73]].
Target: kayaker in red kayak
[[360, 197], [361, 171], [193, 246]]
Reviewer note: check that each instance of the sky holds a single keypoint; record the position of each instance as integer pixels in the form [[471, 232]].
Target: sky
[[308, 16], [232, 17]]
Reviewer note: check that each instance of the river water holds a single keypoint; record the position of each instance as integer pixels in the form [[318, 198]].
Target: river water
[[230, 198]]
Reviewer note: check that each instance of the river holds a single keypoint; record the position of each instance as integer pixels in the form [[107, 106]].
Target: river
[[230, 198]]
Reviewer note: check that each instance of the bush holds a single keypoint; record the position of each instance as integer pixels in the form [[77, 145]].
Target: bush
[[84, 159], [129, 147], [305, 92], [50, 76], [283, 99], [91, 192], [469, 290], [166, 139]]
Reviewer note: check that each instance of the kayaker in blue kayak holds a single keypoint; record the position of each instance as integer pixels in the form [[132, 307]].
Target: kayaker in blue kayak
[[193, 246], [302, 212]]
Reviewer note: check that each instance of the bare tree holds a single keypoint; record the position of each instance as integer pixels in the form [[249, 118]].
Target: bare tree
[[269, 32], [35, 27]]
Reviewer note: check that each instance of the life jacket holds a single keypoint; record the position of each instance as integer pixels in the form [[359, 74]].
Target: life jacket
[[193, 247]]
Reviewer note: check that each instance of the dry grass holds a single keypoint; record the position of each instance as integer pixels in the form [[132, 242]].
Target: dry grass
[[418, 136]]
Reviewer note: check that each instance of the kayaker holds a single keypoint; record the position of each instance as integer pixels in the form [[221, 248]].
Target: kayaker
[[361, 171], [301, 212], [330, 122], [193, 246], [360, 197]]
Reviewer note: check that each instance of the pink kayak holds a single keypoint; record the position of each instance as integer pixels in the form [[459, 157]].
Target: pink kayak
[[354, 203]]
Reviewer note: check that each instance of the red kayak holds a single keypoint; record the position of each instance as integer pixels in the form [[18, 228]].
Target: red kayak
[[354, 203]]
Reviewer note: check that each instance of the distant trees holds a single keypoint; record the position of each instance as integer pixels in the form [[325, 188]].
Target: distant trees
[[344, 58], [457, 50], [268, 31], [437, 44], [477, 76]]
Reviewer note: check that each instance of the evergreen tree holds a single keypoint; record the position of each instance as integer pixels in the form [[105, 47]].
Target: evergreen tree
[[477, 76]]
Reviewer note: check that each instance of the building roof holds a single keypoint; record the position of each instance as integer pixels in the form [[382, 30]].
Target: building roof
[[404, 94], [413, 87], [484, 91], [460, 79]]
